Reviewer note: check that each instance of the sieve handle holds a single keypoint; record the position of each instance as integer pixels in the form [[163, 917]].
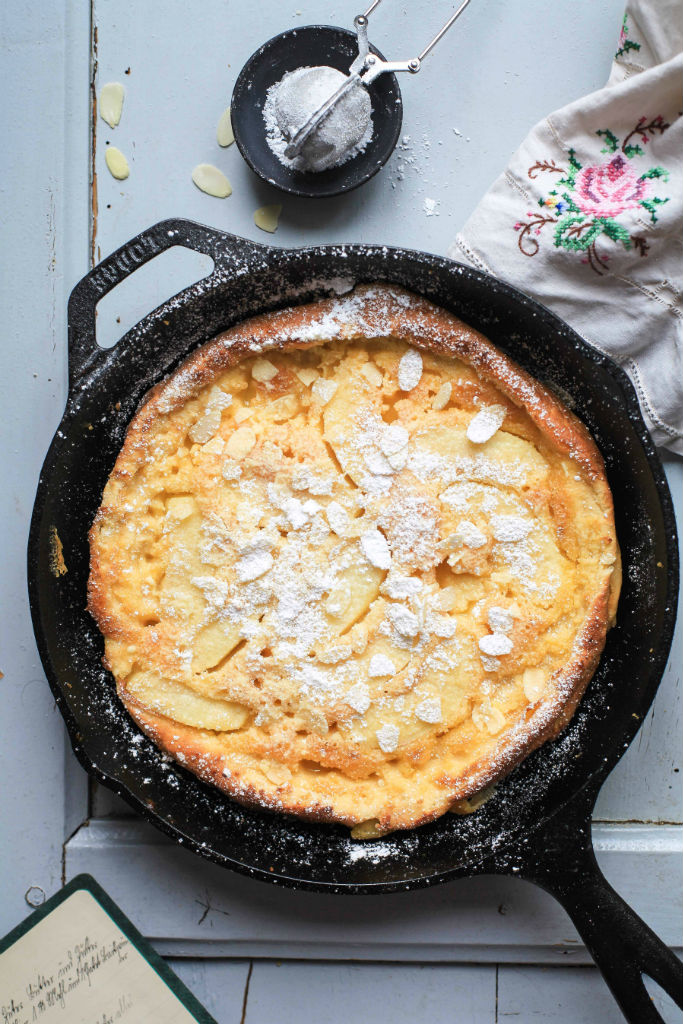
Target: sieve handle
[[226, 250]]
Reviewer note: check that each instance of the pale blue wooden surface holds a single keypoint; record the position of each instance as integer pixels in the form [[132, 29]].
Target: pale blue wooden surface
[[266, 992], [507, 65]]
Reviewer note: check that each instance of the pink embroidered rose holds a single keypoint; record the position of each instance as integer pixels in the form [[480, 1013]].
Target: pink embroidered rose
[[606, 190]]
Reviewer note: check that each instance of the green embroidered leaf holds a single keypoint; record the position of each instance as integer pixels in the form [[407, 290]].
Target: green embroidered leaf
[[576, 233], [626, 48], [574, 167], [616, 232], [612, 142], [651, 206], [631, 151], [625, 44], [571, 205], [573, 161], [656, 172]]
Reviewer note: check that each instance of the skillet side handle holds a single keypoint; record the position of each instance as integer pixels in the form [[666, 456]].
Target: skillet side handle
[[225, 249], [560, 858]]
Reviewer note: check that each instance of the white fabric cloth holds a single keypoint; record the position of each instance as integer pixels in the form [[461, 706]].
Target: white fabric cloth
[[588, 216]]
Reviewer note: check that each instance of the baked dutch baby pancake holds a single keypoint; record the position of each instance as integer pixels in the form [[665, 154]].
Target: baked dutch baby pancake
[[352, 563]]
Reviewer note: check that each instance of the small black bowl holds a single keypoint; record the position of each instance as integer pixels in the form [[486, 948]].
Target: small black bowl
[[311, 46]]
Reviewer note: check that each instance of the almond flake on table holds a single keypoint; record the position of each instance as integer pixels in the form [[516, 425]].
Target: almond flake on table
[[111, 103], [510, 529], [224, 133], [267, 217], [429, 710], [324, 389], [376, 550], [443, 396], [495, 644], [116, 163], [486, 423], [381, 665], [210, 180], [387, 737], [409, 370]]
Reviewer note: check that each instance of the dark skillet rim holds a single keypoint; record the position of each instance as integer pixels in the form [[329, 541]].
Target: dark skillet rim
[[591, 782]]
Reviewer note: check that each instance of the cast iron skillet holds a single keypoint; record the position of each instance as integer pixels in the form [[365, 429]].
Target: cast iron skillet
[[537, 825]]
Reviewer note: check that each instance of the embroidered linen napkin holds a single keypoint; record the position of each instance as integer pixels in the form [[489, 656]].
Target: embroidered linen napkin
[[588, 216]]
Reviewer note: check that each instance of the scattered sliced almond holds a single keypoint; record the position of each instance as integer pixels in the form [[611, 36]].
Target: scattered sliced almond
[[359, 637], [335, 653], [181, 507], [267, 217], [534, 683], [263, 371], [210, 420], [278, 774], [367, 830], [215, 446], [307, 375], [241, 442], [111, 103], [488, 719], [394, 439], [224, 132], [443, 396], [409, 370], [324, 389], [243, 414], [398, 459], [337, 517], [205, 427], [448, 599], [372, 374], [474, 802], [209, 179], [485, 423], [117, 163]]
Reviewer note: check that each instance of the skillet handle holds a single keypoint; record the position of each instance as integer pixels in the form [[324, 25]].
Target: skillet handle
[[560, 858], [226, 250]]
